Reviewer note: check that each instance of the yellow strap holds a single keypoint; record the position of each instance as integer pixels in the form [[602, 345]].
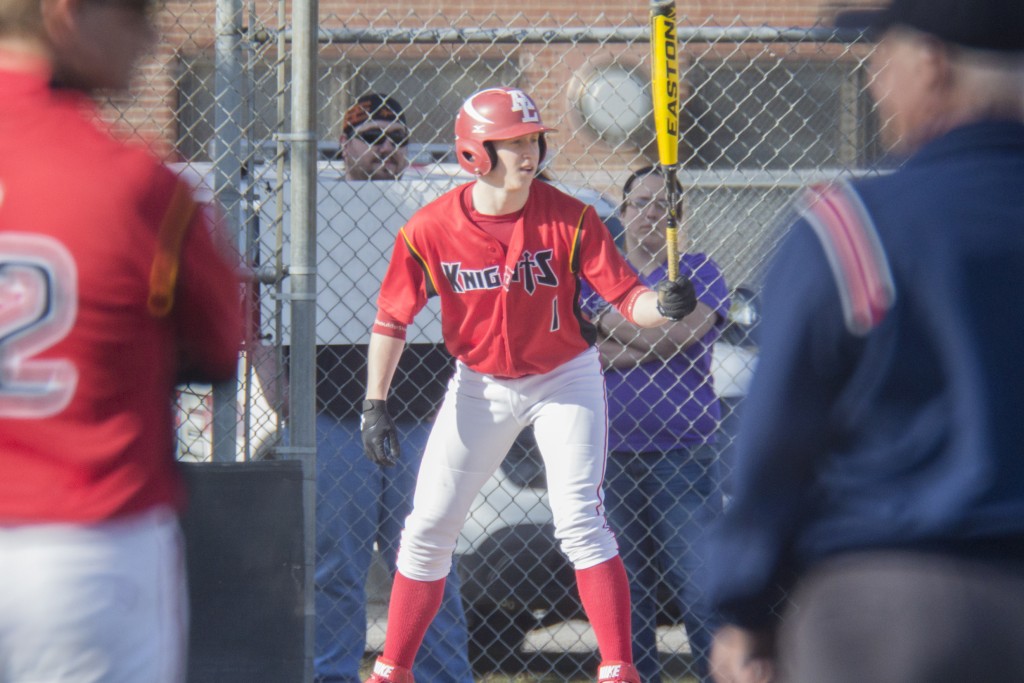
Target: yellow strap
[[163, 276], [573, 248]]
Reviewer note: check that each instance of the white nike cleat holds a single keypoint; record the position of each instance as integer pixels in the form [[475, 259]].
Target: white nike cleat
[[386, 672], [617, 672]]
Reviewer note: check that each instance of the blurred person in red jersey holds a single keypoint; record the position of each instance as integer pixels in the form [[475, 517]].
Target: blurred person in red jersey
[[112, 291]]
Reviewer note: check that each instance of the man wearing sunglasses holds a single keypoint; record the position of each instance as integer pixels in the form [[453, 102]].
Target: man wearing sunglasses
[[373, 139], [361, 503]]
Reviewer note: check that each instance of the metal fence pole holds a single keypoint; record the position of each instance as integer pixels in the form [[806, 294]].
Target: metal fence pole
[[303, 287], [226, 152]]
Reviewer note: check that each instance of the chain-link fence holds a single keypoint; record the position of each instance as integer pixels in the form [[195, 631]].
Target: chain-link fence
[[765, 111]]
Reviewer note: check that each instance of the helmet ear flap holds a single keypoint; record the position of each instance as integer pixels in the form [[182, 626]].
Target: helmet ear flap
[[471, 155], [474, 156]]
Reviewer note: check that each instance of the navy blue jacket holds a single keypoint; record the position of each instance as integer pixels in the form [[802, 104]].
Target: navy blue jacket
[[910, 435]]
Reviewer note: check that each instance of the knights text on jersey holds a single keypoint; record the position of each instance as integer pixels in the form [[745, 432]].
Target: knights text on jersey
[[507, 313], [86, 429]]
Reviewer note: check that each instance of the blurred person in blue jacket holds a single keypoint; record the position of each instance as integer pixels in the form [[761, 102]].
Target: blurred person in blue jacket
[[877, 527]]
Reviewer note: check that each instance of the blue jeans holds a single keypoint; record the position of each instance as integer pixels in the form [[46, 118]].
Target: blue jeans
[[359, 503], [660, 506]]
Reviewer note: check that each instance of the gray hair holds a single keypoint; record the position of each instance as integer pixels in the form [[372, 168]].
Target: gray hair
[[991, 83]]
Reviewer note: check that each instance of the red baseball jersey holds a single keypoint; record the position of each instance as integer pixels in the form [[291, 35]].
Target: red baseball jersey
[[106, 288], [506, 313]]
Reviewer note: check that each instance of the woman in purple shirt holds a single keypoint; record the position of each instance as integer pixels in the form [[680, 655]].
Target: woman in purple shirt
[[662, 486]]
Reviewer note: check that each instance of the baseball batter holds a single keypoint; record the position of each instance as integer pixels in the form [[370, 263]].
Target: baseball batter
[[507, 254], [111, 290]]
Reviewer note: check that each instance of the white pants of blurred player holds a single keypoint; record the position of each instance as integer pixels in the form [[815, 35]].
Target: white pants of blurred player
[[94, 603], [479, 420]]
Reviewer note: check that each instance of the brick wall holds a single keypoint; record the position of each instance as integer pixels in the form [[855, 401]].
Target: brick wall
[[188, 27]]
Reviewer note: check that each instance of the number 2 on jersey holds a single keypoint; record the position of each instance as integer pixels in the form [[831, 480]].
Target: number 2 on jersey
[[38, 306]]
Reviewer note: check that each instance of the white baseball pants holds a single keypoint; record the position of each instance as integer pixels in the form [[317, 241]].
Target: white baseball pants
[[479, 420], [93, 603]]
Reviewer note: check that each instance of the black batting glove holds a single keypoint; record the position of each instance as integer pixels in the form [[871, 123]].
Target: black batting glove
[[380, 439], [676, 299]]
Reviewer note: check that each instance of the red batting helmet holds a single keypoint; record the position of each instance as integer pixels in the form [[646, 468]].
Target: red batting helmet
[[494, 114]]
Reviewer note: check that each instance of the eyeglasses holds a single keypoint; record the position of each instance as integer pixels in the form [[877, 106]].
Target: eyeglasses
[[644, 203], [376, 136]]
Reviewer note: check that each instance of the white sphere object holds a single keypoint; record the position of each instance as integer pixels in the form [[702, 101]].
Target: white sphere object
[[614, 103]]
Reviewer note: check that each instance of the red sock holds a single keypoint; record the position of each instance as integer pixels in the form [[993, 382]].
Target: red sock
[[413, 606], [604, 592]]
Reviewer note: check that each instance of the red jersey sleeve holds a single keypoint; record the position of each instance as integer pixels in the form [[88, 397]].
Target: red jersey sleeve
[[625, 303], [207, 308], [403, 293], [602, 264], [388, 326]]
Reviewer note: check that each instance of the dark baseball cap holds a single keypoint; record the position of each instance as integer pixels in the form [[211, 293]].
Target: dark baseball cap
[[372, 107], [996, 25]]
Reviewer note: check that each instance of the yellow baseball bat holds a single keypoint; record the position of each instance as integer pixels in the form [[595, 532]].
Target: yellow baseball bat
[[666, 100]]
